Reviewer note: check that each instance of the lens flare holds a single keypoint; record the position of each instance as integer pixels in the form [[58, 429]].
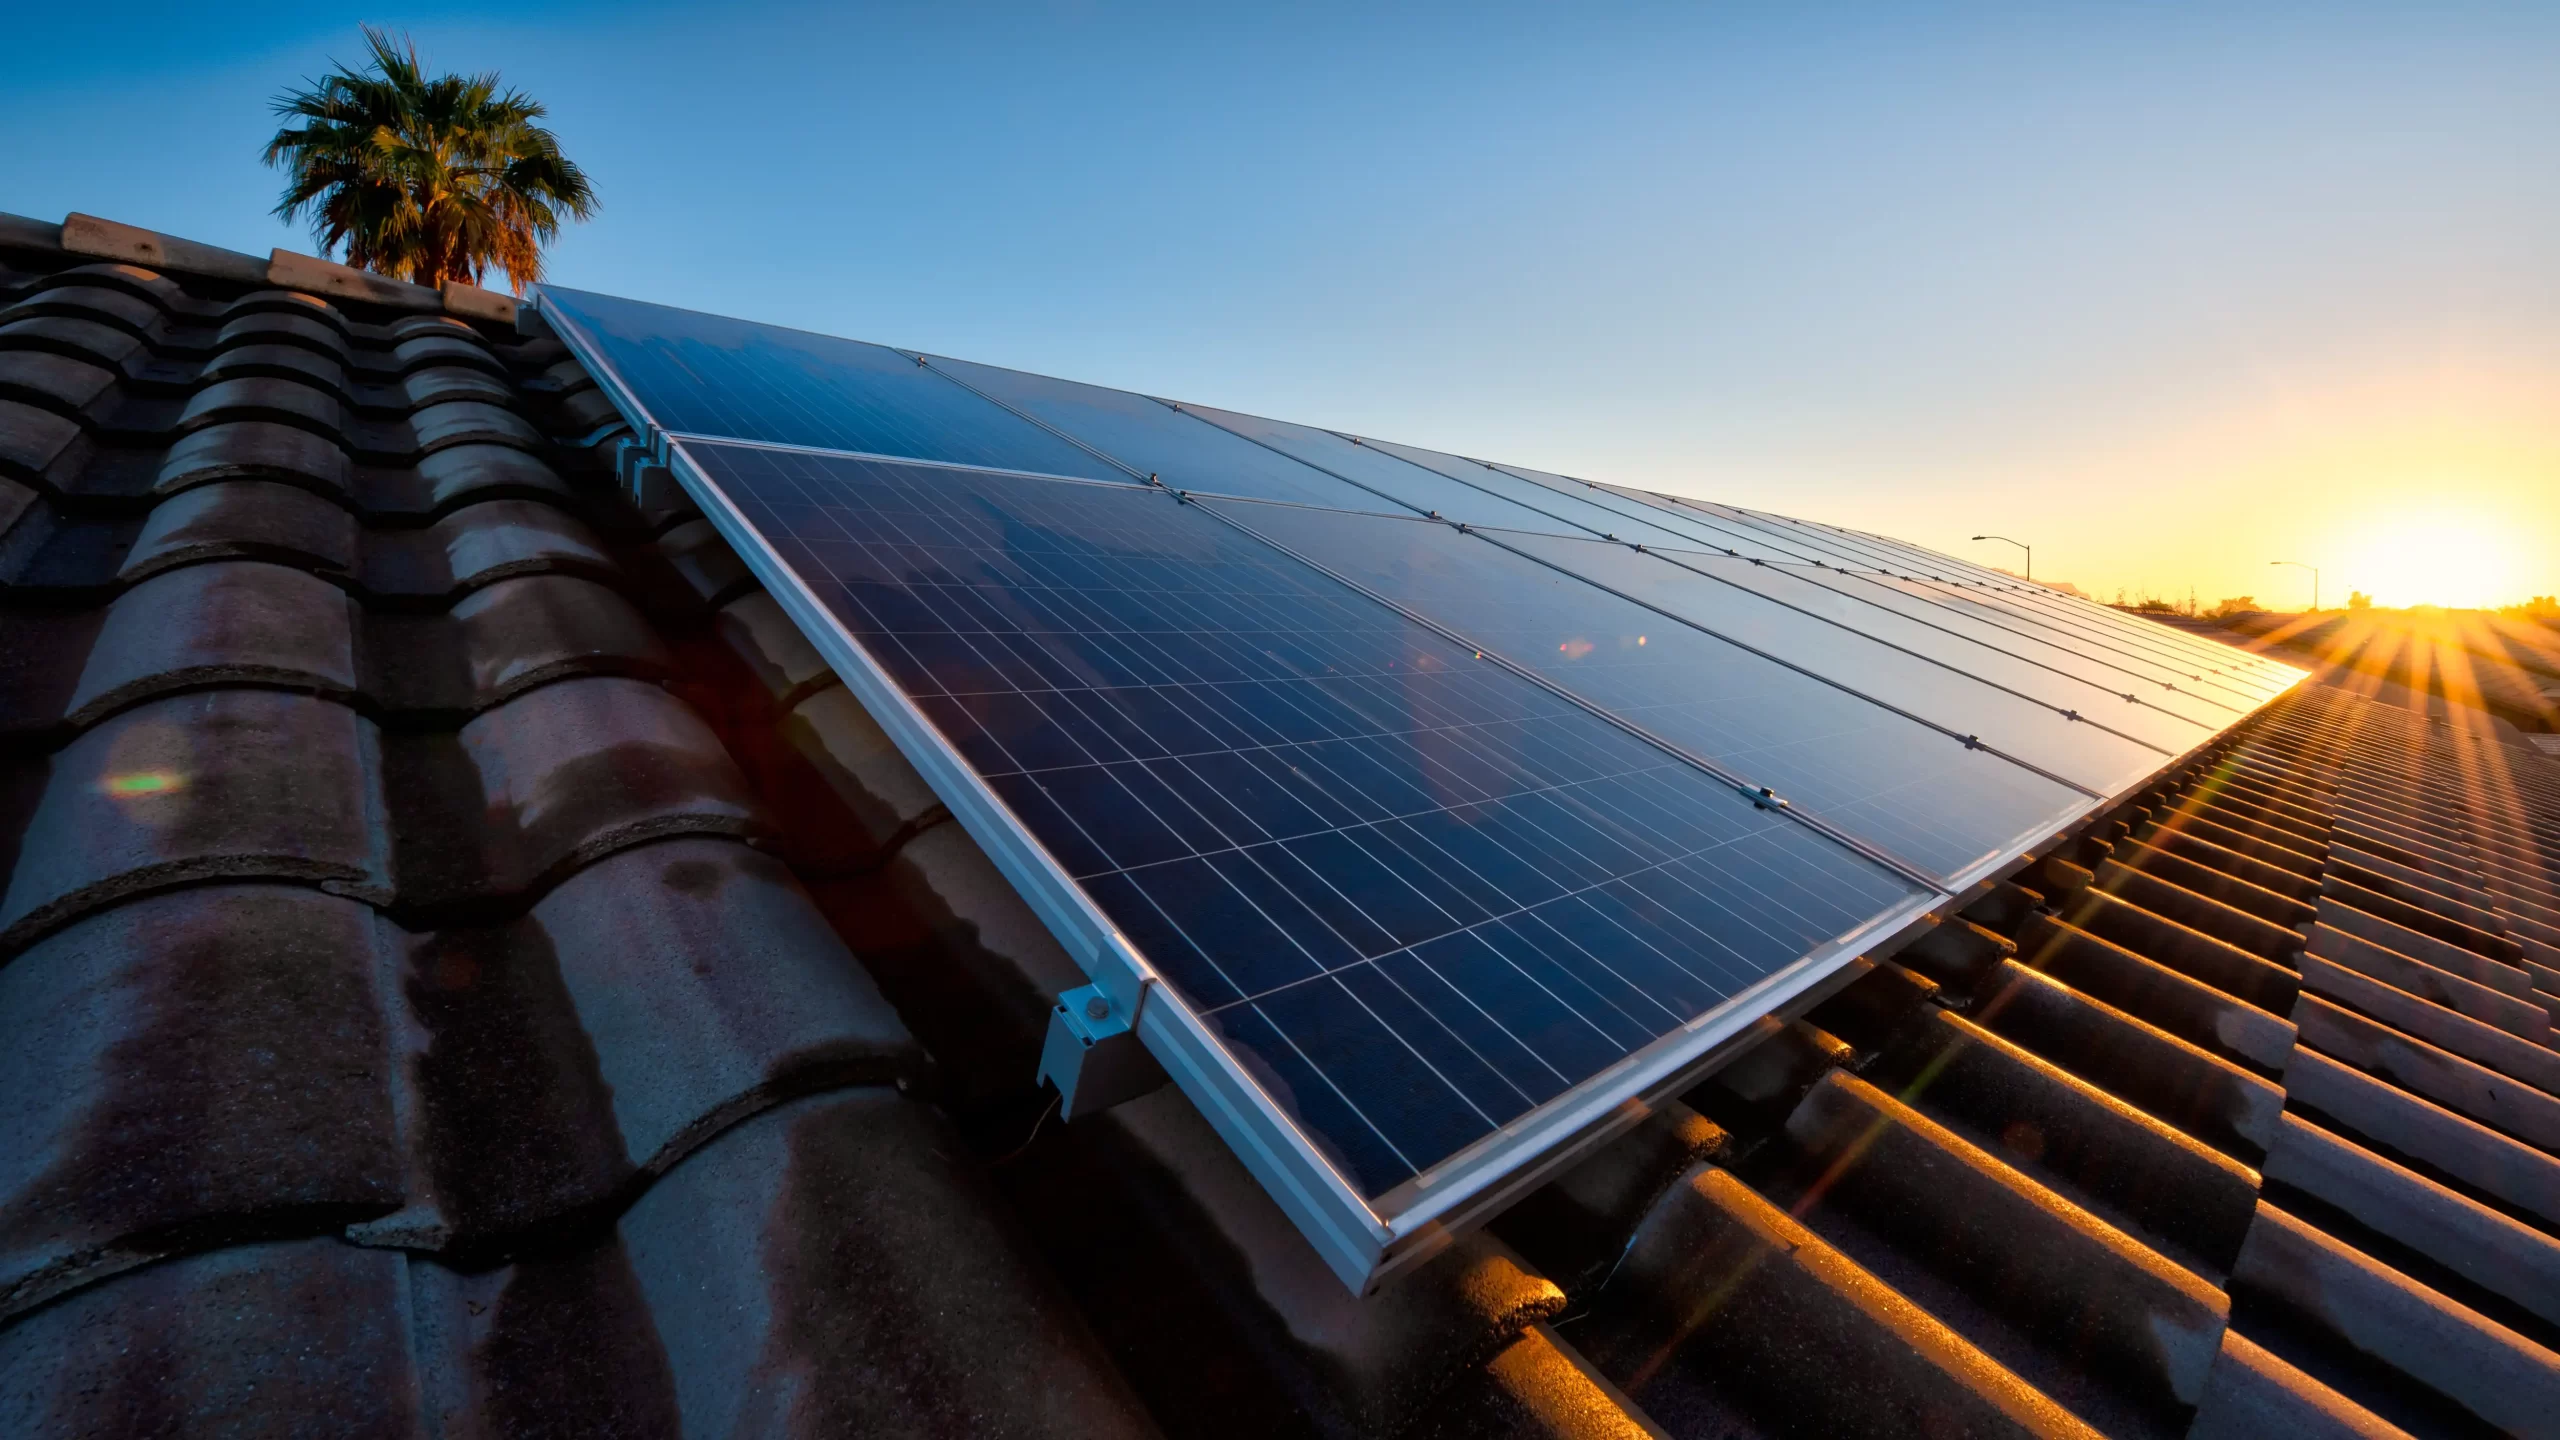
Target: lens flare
[[2455, 556]]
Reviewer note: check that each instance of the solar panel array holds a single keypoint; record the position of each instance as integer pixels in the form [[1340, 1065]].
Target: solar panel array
[[1452, 802]]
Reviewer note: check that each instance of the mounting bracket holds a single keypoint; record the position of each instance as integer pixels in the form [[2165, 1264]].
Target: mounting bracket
[[1093, 1054]]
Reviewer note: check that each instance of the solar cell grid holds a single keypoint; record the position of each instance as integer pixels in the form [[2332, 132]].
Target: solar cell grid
[[1417, 488], [2151, 671], [1776, 611], [710, 375], [1154, 438], [2078, 624], [1696, 528], [1420, 894], [2170, 722], [2183, 652], [1989, 645], [1581, 516], [1888, 778]]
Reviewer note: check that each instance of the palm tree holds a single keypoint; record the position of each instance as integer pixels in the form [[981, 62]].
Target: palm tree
[[440, 179]]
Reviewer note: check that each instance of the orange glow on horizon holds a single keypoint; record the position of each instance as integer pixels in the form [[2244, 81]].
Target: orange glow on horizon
[[2422, 481]]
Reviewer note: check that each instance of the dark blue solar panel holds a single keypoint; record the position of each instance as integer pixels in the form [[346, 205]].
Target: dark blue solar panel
[[1419, 488], [1582, 514], [1893, 782], [2173, 723], [2093, 629], [708, 375], [1417, 894], [1154, 438]]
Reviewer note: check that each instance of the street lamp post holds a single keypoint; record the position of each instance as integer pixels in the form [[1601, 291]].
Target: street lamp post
[[2315, 580], [2021, 544]]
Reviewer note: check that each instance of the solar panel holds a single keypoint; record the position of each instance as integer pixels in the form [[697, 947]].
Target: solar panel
[[1582, 514], [1931, 797], [1153, 438], [2067, 683], [709, 375], [1417, 826], [1415, 487], [2012, 710], [2200, 657]]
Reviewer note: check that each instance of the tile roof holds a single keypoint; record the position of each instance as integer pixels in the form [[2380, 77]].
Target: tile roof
[[2493, 672], [466, 968]]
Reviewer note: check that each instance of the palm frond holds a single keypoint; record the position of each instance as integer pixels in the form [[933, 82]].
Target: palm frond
[[437, 179]]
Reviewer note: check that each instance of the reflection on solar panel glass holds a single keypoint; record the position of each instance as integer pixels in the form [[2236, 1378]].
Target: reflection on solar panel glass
[[1918, 792], [1418, 893], [1154, 438], [2170, 723], [2012, 709], [1414, 487], [709, 375]]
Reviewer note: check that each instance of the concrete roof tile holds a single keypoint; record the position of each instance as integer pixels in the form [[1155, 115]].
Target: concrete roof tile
[[457, 474], [89, 235], [311, 274], [143, 280], [261, 1342], [447, 423], [786, 667], [436, 384], [586, 410], [504, 639], [556, 1343], [967, 963], [257, 449], [711, 572], [15, 501], [446, 342], [56, 382], [246, 519], [279, 361], [19, 232], [196, 1068], [229, 623], [557, 777], [227, 784], [710, 986], [112, 305], [479, 544], [479, 304], [73, 336], [409, 327], [840, 1251], [38, 446], [264, 398], [1173, 1238], [323, 333]]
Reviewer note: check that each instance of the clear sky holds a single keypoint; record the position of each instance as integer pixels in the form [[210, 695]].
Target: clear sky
[[2166, 291]]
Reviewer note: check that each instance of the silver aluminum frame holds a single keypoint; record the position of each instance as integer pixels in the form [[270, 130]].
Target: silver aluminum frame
[[1361, 1241]]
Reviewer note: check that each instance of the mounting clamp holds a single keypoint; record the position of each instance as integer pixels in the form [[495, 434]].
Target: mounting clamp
[[1092, 1054]]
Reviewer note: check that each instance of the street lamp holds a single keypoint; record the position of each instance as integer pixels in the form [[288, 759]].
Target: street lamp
[[2021, 544], [2315, 580]]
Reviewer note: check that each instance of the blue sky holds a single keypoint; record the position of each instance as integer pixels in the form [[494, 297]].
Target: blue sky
[[2170, 291]]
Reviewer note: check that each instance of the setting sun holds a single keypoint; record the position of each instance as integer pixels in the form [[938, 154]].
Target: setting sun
[[2454, 555]]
